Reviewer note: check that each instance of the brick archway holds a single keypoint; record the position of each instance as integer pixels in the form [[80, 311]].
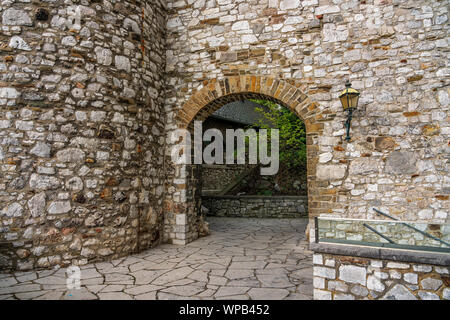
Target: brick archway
[[216, 93]]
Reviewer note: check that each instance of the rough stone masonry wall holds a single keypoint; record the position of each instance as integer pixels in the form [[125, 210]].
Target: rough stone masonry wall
[[81, 130], [350, 278], [394, 51], [256, 206]]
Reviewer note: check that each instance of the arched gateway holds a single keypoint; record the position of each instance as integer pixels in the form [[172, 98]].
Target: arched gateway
[[182, 213]]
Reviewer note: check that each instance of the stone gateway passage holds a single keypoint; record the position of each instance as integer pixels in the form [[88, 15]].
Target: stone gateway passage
[[91, 92]]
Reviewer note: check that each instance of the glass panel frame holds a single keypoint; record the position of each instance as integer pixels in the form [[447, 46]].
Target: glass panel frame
[[394, 234]]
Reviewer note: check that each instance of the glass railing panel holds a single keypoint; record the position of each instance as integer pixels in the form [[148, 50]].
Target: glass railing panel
[[382, 233]]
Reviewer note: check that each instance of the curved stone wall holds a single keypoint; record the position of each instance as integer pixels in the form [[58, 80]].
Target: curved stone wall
[[81, 130]]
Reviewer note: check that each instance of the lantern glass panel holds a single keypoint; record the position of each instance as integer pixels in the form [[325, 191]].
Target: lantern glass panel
[[345, 102], [353, 99], [349, 98]]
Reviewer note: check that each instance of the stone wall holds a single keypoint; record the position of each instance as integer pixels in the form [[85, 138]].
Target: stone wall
[[393, 51], [216, 177], [350, 278], [256, 206], [81, 130]]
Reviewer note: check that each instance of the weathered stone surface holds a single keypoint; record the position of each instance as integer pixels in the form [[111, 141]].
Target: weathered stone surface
[[327, 9], [322, 295], [384, 143], [359, 291], [15, 17], [425, 295], [327, 273], [331, 172], [289, 4], [123, 63], [341, 296], [430, 284], [41, 182], [104, 56], [17, 184], [13, 210], [69, 41], [353, 274], [41, 149], [74, 184], [387, 281], [421, 268], [430, 130], [133, 25], [17, 42], [114, 296], [446, 294], [399, 292], [9, 93], [71, 155], [174, 275], [37, 204], [337, 286], [373, 283], [411, 278], [397, 265], [59, 207], [325, 157], [363, 166]]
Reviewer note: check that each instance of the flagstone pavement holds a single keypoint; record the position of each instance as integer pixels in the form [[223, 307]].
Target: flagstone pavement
[[241, 259]]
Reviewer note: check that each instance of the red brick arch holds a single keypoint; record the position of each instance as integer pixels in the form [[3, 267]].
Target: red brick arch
[[217, 93]]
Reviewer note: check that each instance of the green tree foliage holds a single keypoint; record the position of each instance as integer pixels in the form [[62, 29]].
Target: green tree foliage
[[291, 130]]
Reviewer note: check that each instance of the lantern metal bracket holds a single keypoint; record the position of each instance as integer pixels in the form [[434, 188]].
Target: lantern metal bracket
[[349, 99], [348, 123]]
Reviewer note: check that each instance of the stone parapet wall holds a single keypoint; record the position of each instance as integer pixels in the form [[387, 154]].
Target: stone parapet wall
[[256, 206], [81, 130], [349, 278]]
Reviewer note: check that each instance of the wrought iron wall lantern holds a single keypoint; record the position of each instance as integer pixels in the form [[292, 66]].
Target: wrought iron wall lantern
[[349, 99]]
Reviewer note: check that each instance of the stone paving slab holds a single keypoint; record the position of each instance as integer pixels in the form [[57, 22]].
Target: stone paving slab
[[259, 259]]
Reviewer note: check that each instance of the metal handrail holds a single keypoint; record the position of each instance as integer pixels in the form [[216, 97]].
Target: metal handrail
[[412, 227]]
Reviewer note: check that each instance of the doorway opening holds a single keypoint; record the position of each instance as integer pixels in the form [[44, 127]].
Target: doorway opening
[[244, 190], [183, 214], [274, 252]]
